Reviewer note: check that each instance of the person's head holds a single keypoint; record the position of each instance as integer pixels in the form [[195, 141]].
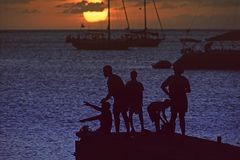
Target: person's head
[[167, 103], [105, 105], [133, 75], [107, 70], [178, 70]]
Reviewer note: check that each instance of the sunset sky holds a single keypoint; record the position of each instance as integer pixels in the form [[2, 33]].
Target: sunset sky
[[69, 14]]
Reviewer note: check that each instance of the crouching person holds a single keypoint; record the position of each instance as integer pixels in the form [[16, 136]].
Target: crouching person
[[105, 117], [155, 109]]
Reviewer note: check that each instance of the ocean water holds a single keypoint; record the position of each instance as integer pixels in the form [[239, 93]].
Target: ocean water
[[44, 81]]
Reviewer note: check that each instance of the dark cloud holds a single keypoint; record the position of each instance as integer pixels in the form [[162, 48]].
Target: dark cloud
[[30, 11], [192, 3], [167, 4], [14, 1], [204, 22], [22, 1], [80, 7]]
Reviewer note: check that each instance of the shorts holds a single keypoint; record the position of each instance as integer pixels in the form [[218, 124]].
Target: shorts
[[137, 108]]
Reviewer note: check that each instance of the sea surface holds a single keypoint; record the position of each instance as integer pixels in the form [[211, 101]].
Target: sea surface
[[44, 81]]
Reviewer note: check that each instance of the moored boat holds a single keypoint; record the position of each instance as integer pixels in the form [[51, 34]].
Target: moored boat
[[99, 41], [221, 52], [162, 64], [145, 37]]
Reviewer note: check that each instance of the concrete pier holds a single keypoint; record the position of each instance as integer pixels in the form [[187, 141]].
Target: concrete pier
[[152, 146]]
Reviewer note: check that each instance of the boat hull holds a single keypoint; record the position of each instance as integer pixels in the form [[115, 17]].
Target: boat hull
[[101, 44], [144, 42], [162, 65], [210, 61]]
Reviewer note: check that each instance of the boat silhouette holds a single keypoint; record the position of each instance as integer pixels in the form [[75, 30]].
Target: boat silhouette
[[99, 41], [221, 52], [145, 37]]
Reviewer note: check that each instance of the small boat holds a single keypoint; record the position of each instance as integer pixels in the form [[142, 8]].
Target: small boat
[[221, 52], [162, 64]]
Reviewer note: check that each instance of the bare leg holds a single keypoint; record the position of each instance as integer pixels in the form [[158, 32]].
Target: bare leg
[[182, 122], [141, 120], [157, 125], [126, 120], [116, 115], [172, 121], [131, 121]]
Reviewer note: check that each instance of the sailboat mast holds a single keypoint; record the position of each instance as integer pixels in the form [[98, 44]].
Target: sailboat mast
[[124, 7], [145, 18], [109, 21], [159, 21]]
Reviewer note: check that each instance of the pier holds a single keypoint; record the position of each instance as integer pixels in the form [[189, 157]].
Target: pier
[[151, 146]]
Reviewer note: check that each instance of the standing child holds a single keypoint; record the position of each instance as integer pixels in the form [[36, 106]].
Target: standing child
[[135, 99]]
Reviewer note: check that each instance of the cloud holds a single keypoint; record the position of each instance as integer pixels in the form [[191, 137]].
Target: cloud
[[80, 7], [197, 3], [167, 4], [30, 11], [22, 1], [216, 21], [14, 1]]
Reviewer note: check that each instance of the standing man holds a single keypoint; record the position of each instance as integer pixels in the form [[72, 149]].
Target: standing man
[[117, 90], [135, 99], [176, 87]]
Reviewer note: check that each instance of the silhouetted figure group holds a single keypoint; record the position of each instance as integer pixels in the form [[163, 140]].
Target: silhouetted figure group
[[129, 98]]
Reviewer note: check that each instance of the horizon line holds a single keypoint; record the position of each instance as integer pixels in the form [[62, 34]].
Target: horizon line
[[57, 29]]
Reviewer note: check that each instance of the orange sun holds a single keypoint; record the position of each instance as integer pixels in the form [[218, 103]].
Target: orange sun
[[95, 16]]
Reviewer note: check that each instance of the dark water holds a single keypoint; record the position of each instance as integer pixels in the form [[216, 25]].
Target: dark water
[[43, 83]]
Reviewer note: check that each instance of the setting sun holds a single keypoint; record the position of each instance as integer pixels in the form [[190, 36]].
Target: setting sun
[[95, 1], [95, 16]]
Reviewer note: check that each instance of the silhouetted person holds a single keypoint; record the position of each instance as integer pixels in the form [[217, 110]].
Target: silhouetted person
[[176, 86], [135, 99], [155, 109], [105, 117], [117, 90]]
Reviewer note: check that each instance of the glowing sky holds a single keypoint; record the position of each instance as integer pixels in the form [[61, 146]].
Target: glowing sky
[[68, 14]]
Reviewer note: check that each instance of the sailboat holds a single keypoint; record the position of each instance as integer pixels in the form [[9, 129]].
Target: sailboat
[[99, 40], [144, 38]]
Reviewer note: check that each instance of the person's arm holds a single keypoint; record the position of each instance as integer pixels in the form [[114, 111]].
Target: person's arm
[[91, 118], [93, 106], [164, 87], [187, 88], [142, 88], [109, 95], [164, 116]]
